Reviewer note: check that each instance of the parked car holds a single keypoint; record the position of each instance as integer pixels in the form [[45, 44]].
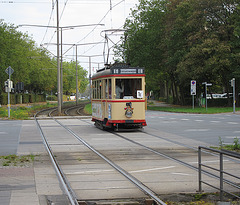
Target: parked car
[[215, 96], [225, 95], [72, 97]]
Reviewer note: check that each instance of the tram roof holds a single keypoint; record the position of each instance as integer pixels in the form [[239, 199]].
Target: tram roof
[[119, 69]]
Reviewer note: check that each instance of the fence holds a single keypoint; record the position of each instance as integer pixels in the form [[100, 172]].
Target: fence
[[221, 171]]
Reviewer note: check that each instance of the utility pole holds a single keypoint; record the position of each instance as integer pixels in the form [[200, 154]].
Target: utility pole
[[61, 69], [76, 78], [206, 85], [58, 65], [90, 73], [234, 100]]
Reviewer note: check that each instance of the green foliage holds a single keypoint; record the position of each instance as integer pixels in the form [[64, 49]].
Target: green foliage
[[3, 112], [198, 197], [234, 147], [178, 41], [34, 66]]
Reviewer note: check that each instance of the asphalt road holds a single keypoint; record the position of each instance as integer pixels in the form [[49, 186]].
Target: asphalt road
[[206, 128], [9, 136]]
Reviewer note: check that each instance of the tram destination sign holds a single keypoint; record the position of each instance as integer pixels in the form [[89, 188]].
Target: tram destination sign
[[127, 71]]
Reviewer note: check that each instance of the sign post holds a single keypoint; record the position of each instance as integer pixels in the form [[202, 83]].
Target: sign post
[[193, 90], [234, 100], [9, 71], [206, 84]]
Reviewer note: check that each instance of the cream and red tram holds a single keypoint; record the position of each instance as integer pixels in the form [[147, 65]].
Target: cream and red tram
[[118, 97]]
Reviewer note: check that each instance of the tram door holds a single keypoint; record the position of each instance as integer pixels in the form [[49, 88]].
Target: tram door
[[107, 96]]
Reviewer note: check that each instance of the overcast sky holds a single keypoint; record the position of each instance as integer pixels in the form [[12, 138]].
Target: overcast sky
[[71, 13]]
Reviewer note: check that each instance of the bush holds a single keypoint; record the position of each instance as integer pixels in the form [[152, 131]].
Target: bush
[[26, 98], [219, 102]]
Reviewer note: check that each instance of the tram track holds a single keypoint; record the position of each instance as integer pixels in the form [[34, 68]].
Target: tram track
[[107, 156], [63, 179], [192, 151]]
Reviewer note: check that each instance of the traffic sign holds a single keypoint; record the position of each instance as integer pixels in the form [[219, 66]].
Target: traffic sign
[[193, 87], [9, 70]]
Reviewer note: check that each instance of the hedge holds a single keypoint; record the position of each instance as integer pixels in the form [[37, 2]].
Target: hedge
[[26, 98]]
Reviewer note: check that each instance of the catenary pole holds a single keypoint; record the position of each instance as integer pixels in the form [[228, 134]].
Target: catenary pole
[[76, 78], [58, 65]]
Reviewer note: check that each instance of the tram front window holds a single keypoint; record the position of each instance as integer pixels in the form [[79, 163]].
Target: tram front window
[[127, 88]]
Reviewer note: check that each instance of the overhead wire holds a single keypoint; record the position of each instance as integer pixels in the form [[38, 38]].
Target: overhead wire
[[96, 25], [63, 9], [48, 22], [65, 3], [59, 19]]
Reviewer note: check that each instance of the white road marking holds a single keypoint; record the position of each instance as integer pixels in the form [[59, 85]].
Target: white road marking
[[232, 123], [213, 161], [215, 121], [154, 169], [232, 137], [184, 119], [90, 172], [198, 120], [111, 170], [196, 130], [183, 174], [3, 133]]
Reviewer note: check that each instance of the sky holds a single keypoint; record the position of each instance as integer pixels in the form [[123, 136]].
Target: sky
[[71, 13]]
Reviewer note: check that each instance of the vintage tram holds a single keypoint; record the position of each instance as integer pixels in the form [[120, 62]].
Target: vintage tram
[[118, 97]]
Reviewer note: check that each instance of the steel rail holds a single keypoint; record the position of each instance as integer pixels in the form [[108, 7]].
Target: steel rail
[[174, 159], [135, 181], [169, 157], [73, 107], [64, 182], [156, 152], [187, 146]]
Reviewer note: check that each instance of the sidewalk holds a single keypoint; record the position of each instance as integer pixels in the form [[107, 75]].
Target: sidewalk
[[34, 183]]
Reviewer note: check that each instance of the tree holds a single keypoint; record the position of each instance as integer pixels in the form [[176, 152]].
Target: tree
[[32, 65], [180, 40]]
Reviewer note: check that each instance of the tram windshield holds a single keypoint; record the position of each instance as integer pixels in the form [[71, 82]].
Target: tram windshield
[[128, 88]]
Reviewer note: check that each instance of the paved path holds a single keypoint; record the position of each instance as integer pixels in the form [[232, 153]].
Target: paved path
[[28, 185]]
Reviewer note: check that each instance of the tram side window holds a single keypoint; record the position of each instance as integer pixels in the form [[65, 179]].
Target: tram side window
[[106, 89], [100, 89], [127, 88], [109, 89], [94, 90]]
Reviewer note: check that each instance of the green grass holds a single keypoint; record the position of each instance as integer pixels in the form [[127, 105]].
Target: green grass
[[232, 147], [88, 109], [14, 160], [210, 110], [22, 112]]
